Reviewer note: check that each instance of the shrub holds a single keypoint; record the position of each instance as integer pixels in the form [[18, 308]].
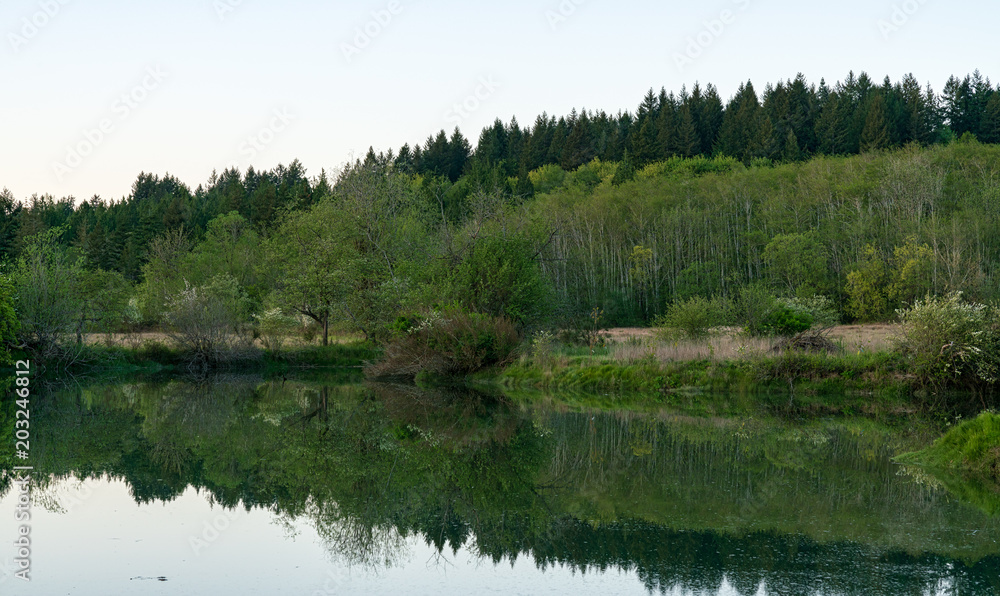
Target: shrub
[[820, 308], [948, 340], [8, 320], [751, 308], [785, 321], [212, 321], [274, 326], [502, 277], [451, 343], [695, 317]]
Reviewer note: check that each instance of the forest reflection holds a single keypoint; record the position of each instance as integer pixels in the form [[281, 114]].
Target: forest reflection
[[685, 503]]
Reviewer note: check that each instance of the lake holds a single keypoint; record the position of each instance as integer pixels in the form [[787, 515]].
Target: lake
[[321, 486]]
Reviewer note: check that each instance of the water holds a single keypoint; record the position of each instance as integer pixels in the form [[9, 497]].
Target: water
[[245, 486]]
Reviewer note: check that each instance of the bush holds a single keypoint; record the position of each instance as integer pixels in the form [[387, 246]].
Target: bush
[[753, 305], [451, 343], [8, 321], [820, 308], [948, 340], [784, 321], [695, 317], [501, 277], [273, 326], [212, 321]]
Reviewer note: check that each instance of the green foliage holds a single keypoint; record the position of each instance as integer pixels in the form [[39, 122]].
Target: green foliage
[[104, 298], [867, 288], [947, 340], [212, 321], [880, 285], [972, 447], [449, 343], [547, 178], [799, 261], [820, 308], [9, 325], [785, 321], [752, 307], [501, 277], [695, 317], [46, 299]]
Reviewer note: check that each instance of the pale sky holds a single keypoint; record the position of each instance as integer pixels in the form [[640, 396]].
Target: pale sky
[[96, 91]]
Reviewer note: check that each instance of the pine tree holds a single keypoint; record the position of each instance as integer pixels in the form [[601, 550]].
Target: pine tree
[[646, 147], [745, 132], [710, 118], [10, 224], [459, 153], [990, 125], [791, 151], [579, 147], [686, 142], [876, 135]]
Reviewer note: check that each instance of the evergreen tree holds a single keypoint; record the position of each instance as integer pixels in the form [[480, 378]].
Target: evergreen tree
[[957, 105], [876, 135], [557, 142], [459, 153], [404, 160], [667, 125], [686, 142], [539, 138], [646, 146], [745, 132], [791, 151], [10, 223], [579, 147], [990, 125], [708, 117]]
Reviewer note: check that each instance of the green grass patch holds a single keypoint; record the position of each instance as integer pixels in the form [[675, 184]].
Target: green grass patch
[[972, 447]]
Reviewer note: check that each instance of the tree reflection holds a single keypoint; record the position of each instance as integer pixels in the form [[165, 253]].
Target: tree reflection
[[683, 503]]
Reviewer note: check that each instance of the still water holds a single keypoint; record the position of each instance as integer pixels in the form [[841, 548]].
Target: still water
[[238, 485]]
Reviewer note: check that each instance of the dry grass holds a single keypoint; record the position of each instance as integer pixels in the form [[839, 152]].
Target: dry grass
[[136, 340], [716, 348], [633, 344]]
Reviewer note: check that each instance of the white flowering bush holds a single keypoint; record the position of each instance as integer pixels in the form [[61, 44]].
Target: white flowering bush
[[947, 339], [273, 326]]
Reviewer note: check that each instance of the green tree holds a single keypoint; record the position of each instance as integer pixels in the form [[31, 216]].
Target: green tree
[[10, 224], [104, 297], [867, 287], [875, 135], [9, 325], [501, 277], [45, 282], [799, 261]]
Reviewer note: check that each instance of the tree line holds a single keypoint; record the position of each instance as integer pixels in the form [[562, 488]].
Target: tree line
[[382, 240], [789, 121]]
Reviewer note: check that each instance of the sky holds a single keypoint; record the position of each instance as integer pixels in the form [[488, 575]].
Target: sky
[[93, 92]]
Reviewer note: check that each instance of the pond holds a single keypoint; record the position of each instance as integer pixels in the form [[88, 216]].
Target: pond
[[241, 485]]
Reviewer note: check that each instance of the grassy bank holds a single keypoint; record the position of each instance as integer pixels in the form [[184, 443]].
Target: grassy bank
[[159, 357]]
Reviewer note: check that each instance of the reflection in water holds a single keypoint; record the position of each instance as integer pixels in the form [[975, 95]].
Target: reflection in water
[[683, 503]]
